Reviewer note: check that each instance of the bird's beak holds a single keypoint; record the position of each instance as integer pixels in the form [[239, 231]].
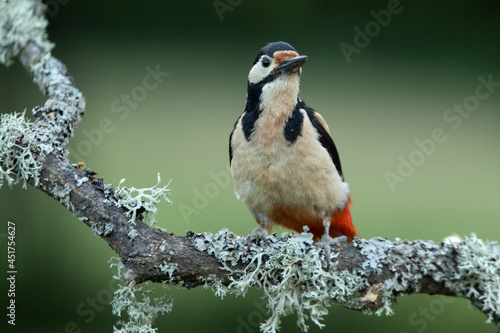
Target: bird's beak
[[290, 65]]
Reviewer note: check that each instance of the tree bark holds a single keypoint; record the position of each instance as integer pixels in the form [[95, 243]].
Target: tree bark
[[467, 268]]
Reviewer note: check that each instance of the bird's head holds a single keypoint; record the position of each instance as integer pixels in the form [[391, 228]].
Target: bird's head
[[278, 60], [275, 73]]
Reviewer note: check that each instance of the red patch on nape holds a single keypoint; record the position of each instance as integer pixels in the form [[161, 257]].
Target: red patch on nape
[[297, 218], [279, 56]]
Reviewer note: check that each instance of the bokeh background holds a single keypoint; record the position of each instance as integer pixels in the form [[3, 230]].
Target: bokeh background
[[395, 90]]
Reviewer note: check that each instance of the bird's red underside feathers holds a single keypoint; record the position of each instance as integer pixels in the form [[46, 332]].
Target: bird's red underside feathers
[[297, 218]]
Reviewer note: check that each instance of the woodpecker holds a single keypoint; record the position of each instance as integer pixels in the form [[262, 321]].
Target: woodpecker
[[284, 163]]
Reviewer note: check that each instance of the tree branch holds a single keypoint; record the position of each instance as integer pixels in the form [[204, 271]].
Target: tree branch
[[364, 275]]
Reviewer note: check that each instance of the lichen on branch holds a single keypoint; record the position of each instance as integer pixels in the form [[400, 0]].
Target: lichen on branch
[[137, 200], [291, 270], [21, 22], [19, 149]]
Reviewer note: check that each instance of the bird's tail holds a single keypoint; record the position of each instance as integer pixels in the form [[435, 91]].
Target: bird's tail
[[341, 223]]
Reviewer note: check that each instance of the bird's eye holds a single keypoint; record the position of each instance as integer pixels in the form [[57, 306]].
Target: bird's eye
[[266, 62]]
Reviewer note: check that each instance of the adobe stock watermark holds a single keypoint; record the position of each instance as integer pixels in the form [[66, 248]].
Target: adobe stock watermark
[[121, 107], [223, 6], [53, 6], [253, 320], [363, 37], [420, 319], [202, 196], [453, 118], [88, 309], [11, 273]]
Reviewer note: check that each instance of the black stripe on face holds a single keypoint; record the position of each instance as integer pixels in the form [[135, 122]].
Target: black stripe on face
[[252, 107], [293, 126], [254, 90]]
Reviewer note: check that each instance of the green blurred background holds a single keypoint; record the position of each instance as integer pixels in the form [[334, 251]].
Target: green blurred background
[[395, 90]]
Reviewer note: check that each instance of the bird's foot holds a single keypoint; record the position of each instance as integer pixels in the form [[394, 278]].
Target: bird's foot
[[260, 232], [326, 241]]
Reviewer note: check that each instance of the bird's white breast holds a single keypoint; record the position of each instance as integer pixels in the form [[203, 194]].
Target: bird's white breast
[[269, 171]]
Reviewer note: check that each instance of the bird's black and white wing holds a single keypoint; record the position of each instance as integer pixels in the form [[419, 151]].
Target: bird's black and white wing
[[324, 135]]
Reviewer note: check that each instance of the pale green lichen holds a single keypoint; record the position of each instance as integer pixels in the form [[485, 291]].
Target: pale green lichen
[[142, 199], [23, 27], [290, 271], [134, 300], [478, 265], [5, 176], [80, 180], [169, 268], [61, 193], [18, 143], [141, 311], [216, 285], [132, 233], [479, 273], [408, 261], [20, 22], [102, 229], [58, 118], [295, 281]]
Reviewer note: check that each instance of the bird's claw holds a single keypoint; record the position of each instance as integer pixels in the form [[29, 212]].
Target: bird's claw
[[326, 241], [260, 232]]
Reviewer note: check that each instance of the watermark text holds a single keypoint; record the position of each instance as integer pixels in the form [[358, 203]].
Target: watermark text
[[11, 272]]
